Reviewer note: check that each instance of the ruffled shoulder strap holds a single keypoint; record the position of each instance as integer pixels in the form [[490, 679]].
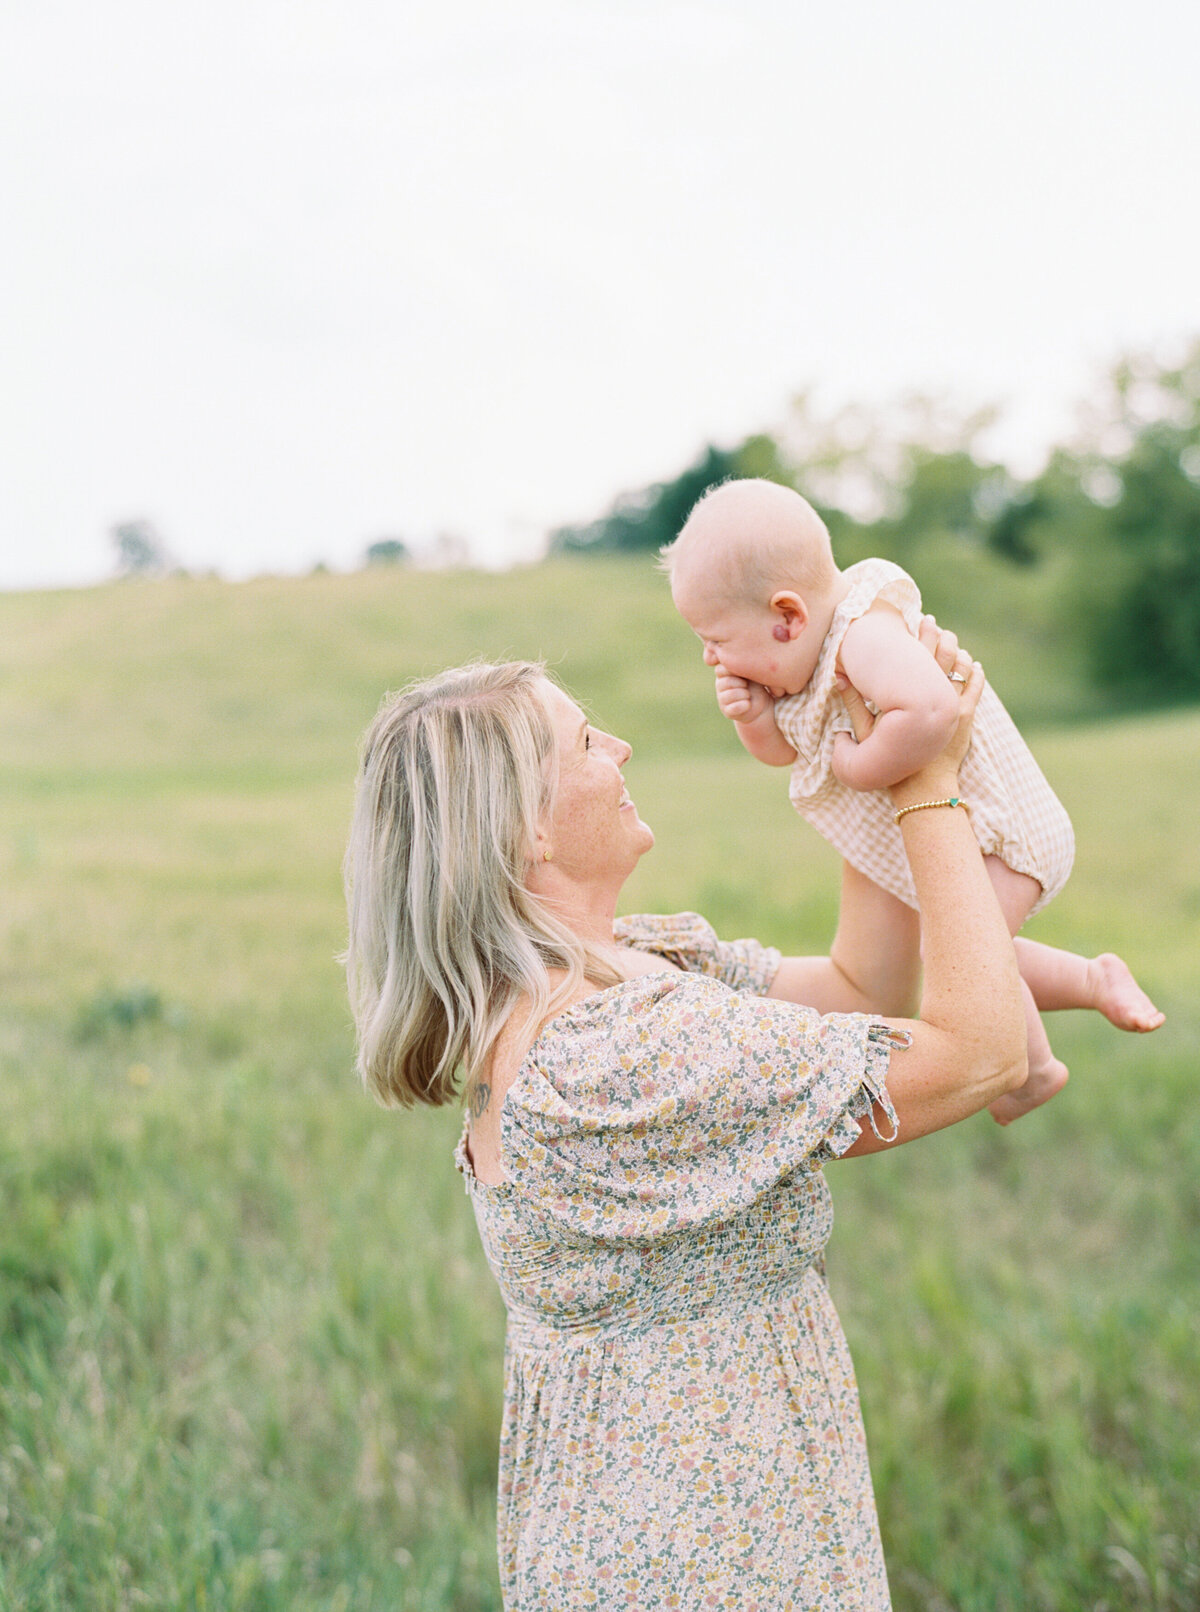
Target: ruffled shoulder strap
[[690, 941], [811, 719], [878, 579]]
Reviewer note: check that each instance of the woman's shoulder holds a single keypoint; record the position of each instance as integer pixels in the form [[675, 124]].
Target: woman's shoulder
[[596, 1025], [669, 1097], [530, 1058]]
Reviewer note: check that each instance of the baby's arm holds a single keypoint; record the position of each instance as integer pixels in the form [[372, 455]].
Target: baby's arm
[[752, 711], [917, 704]]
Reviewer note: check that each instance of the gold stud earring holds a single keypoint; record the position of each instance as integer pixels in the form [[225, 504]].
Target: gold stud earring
[[545, 856]]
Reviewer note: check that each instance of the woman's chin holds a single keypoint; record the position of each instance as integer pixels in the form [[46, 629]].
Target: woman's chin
[[641, 834]]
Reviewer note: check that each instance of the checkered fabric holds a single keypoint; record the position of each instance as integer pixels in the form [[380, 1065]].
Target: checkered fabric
[[1014, 812]]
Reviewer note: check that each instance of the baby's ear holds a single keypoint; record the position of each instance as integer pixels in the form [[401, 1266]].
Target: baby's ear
[[791, 613]]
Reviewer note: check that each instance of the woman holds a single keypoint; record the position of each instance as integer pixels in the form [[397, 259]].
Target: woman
[[649, 1113]]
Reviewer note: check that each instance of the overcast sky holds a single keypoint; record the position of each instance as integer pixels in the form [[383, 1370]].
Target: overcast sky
[[288, 276]]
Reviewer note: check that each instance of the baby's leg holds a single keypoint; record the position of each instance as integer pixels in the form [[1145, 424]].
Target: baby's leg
[[1061, 979], [1046, 1078], [877, 947], [1052, 979], [1017, 893]]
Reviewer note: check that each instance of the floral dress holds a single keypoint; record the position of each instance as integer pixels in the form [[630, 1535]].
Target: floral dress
[[681, 1423]]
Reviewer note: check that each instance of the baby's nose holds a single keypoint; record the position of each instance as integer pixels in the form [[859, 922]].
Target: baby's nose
[[710, 655]]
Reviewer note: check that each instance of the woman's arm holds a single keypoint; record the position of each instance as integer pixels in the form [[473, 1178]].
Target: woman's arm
[[968, 1046]]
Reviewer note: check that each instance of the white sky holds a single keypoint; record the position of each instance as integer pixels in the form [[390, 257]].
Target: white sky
[[287, 276]]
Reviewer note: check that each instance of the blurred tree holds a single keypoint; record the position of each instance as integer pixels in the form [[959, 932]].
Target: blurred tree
[[1145, 635], [1121, 508], [448, 551], [650, 517], [653, 516], [141, 552], [388, 551], [1011, 534], [944, 494], [906, 481]]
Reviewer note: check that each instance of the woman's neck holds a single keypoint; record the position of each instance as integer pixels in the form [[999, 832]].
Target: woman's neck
[[589, 911]]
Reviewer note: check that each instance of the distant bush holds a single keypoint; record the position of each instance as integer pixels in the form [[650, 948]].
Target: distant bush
[[141, 551], [118, 1010], [388, 551]]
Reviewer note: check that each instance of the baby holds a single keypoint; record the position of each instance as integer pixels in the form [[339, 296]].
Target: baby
[[753, 574]]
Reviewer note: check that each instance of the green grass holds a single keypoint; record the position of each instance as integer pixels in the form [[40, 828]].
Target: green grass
[[250, 1352]]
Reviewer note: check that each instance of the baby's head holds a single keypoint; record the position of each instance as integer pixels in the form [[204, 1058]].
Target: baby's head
[[753, 574]]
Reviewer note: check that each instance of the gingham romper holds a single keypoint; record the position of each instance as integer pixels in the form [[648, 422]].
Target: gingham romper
[[1014, 812]]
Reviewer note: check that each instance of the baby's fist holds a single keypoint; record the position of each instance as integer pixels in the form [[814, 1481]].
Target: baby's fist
[[738, 699]]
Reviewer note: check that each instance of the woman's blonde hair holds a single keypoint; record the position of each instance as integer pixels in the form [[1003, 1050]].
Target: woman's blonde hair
[[457, 773]]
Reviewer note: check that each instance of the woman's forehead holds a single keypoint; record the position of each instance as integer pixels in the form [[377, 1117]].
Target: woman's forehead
[[561, 707]]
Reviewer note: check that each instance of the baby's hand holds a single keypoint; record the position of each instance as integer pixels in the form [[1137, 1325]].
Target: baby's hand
[[739, 700]]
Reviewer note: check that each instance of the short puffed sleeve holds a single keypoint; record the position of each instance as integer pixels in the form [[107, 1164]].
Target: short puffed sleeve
[[689, 941], [669, 1103]]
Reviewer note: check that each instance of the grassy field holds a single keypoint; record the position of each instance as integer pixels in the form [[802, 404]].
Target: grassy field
[[249, 1351]]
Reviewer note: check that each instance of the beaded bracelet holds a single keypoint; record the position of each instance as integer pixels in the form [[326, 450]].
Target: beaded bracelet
[[923, 805]]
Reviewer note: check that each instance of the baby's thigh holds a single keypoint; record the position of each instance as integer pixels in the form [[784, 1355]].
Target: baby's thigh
[[1017, 893], [874, 917]]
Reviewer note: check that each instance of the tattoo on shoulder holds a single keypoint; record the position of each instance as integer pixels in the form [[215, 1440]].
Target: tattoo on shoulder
[[481, 1096]]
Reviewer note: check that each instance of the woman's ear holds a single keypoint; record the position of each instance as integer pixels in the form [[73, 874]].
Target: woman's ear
[[791, 614]]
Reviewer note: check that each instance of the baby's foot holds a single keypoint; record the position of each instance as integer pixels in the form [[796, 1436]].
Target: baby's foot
[[1116, 994], [1042, 1084]]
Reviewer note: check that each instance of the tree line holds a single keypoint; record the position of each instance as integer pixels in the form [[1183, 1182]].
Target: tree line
[[1113, 517]]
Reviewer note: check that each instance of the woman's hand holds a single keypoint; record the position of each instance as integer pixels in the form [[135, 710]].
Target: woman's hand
[[958, 666], [938, 780], [943, 645]]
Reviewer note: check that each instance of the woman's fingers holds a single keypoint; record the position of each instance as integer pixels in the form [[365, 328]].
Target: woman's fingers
[[861, 719], [969, 692], [966, 675], [972, 688], [943, 645]]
